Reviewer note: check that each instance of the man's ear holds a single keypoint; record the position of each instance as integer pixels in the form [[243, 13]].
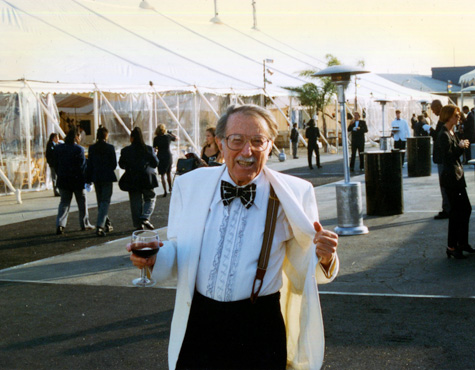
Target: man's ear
[[219, 143], [270, 147]]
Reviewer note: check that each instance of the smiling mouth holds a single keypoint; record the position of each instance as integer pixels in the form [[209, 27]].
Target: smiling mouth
[[245, 162]]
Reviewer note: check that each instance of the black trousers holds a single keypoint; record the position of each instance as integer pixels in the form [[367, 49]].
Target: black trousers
[[234, 335], [401, 145], [459, 218], [310, 149], [354, 148]]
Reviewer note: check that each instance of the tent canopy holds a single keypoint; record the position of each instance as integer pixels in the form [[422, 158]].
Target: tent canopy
[[67, 46], [468, 79]]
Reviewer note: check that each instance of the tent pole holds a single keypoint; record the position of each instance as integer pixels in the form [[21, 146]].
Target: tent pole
[[12, 188], [337, 127], [176, 120], [207, 102], [285, 116], [150, 123], [196, 118], [238, 98], [116, 115], [96, 114], [46, 111]]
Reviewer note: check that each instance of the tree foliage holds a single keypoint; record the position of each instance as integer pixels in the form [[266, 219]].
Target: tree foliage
[[316, 96]]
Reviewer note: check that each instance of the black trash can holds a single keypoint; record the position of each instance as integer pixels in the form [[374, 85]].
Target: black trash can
[[383, 177], [418, 156]]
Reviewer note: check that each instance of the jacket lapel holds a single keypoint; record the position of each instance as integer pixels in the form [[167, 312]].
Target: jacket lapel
[[195, 221]]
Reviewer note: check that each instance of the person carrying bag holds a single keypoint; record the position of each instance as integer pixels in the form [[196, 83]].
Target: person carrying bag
[[140, 178]]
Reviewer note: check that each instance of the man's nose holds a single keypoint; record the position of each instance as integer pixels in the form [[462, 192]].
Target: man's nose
[[246, 150]]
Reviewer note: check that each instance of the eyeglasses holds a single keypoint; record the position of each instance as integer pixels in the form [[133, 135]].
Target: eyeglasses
[[238, 141]]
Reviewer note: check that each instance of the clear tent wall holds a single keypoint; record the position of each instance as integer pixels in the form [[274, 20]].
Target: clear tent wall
[[26, 121]]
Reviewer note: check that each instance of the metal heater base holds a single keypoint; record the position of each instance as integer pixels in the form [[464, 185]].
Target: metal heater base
[[349, 209]]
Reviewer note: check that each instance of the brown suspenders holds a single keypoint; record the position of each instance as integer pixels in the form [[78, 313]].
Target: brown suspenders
[[271, 218]]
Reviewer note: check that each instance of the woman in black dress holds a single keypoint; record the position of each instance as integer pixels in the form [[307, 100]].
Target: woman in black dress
[[451, 147], [50, 159], [210, 151], [161, 143]]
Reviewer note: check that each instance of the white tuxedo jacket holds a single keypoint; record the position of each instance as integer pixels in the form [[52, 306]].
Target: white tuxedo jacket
[[177, 261]]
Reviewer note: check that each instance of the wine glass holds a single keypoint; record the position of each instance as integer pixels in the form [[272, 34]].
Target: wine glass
[[144, 244]]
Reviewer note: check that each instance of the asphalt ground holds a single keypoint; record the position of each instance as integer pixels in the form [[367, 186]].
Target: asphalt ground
[[398, 303]]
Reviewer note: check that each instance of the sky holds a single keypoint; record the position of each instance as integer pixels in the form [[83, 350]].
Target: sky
[[397, 36]]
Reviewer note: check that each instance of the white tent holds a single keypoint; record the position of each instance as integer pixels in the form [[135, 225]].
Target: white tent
[[129, 66]]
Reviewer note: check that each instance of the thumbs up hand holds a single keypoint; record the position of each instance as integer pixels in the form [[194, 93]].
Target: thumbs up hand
[[326, 242]]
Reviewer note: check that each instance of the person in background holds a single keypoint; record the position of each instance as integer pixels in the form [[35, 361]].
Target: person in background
[[451, 147], [51, 160], [210, 151], [357, 128], [225, 316], [436, 107], [161, 143], [82, 133], [101, 164], [400, 131], [294, 139], [417, 127], [468, 131], [414, 121], [71, 171], [312, 133], [139, 162]]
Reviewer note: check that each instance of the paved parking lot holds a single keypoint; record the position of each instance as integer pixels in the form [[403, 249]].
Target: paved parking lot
[[398, 302]]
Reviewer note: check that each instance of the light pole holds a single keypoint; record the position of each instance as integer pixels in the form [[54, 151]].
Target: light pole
[[348, 194], [265, 70]]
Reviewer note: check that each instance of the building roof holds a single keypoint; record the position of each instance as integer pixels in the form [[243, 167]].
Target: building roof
[[421, 82]]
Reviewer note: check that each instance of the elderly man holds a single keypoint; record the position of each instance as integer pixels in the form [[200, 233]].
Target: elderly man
[[231, 311]]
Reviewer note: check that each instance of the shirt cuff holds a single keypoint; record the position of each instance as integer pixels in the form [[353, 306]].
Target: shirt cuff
[[329, 273]]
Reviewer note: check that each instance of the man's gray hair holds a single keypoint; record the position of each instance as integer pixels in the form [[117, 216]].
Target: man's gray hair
[[248, 110]]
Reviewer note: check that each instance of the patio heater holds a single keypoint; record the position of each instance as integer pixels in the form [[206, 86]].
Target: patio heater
[[348, 194], [384, 141], [424, 104]]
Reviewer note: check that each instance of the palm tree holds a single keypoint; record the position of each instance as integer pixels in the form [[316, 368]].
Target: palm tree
[[316, 97]]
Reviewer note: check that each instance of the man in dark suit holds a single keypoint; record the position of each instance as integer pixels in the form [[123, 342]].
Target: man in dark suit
[[312, 134], [102, 162], [357, 128], [468, 131]]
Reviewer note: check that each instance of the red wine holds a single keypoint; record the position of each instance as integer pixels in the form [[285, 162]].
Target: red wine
[[145, 252]]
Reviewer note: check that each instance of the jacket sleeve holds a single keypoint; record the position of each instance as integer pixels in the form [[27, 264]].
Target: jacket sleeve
[[153, 160], [165, 269], [123, 159], [300, 251], [365, 127]]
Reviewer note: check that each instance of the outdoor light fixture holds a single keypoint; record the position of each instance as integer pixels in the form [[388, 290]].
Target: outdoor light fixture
[[266, 70], [145, 5], [449, 87], [215, 19], [383, 140], [254, 16], [348, 194], [424, 104]]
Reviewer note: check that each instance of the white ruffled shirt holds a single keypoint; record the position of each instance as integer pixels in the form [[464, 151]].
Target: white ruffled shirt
[[232, 245]]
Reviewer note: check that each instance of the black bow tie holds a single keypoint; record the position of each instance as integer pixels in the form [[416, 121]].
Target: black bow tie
[[246, 193]]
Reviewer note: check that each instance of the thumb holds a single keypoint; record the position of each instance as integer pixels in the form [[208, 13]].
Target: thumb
[[317, 226]]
